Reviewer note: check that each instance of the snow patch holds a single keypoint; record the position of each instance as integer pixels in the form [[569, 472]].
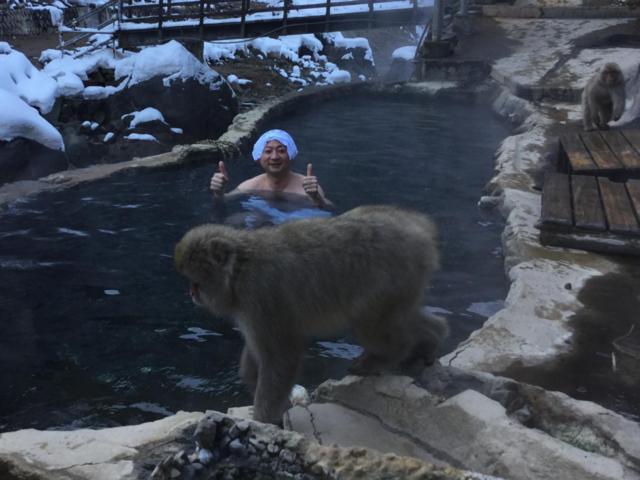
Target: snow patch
[[404, 53], [149, 114], [18, 119]]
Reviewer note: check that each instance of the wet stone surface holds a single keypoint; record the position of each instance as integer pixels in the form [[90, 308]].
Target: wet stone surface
[[604, 363]]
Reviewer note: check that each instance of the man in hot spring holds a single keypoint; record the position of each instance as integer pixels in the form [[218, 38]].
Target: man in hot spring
[[274, 151]]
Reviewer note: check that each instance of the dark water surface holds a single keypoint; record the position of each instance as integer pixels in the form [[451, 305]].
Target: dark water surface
[[97, 327]]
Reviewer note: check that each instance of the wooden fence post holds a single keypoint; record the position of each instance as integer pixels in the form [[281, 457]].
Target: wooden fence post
[[160, 19], [327, 16], [201, 19], [243, 18], [285, 15]]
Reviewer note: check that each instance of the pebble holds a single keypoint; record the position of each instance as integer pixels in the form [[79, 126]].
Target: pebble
[[272, 448], [237, 448], [287, 456], [206, 456]]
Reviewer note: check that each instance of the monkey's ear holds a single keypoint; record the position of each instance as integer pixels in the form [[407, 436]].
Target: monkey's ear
[[220, 251]]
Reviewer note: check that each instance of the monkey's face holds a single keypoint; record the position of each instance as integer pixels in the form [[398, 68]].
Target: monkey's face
[[611, 75], [275, 158], [206, 258]]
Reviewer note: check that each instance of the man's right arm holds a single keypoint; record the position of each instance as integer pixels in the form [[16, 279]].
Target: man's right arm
[[219, 182]]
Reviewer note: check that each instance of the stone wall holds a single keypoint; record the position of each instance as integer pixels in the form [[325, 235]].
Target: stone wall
[[21, 21]]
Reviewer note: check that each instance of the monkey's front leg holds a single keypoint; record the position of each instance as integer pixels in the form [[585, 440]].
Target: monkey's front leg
[[249, 369], [277, 372], [619, 99]]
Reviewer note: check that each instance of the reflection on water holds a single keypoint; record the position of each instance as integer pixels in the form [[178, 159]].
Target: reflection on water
[[98, 328], [259, 211]]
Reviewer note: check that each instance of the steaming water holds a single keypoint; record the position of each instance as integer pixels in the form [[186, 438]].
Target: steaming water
[[97, 327]]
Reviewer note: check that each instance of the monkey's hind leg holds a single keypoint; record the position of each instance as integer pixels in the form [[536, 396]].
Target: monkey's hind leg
[[429, 331], [386, 340]]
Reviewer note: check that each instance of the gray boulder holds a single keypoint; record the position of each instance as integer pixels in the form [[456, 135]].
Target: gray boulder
[[24, 159]]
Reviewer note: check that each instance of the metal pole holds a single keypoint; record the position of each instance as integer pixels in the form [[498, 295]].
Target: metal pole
[[436, 21], [464, 8]]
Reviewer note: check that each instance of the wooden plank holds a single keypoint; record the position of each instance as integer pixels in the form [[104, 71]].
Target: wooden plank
[[633, 136], [556, 200], [633, 187], [587, 207], [604, 242], [622, 148], [579, 158], [617, 206], [602, 155]]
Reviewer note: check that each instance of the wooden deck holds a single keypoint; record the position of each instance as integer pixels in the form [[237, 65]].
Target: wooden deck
[[593, 201], [610, 152]]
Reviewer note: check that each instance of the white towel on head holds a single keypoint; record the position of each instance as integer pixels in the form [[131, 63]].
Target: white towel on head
[[279, 135]]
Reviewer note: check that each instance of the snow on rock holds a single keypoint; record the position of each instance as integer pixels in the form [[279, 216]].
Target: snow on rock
[[18, 119], [339, 76], [20, 77], [141, 136], [149, 114], [404, 53], [170, 60], [233, 79], [69, 84]]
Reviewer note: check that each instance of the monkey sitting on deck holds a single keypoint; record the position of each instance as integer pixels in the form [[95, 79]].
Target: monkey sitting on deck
[[366, 269], [603, 98]]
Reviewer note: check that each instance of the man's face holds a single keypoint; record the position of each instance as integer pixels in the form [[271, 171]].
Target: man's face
[[275, 158]]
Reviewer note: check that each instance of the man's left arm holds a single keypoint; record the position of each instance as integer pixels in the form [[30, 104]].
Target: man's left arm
[[313, 189]]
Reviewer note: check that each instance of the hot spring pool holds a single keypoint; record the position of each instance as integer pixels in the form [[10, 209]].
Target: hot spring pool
[[98, 329]]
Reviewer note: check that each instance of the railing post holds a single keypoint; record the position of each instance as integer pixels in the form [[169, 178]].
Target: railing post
[[327, 16], [285, 14], [436, 21], [415, 9], [243, 18], [370, 14], [160, 19], [464, 8], [201, 19]]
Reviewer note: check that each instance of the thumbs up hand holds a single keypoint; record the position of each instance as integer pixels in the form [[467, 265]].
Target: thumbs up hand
[[310, 183], [219, 180]]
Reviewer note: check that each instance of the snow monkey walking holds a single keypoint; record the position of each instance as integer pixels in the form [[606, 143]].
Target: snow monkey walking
[[603, 98], [367, 269]]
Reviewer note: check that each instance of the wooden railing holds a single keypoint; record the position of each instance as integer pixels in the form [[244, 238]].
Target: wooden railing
[[162, 12], [143, 22]]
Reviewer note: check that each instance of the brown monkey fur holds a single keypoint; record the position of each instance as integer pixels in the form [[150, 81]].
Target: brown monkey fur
[[603, 98], [367, 269]]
